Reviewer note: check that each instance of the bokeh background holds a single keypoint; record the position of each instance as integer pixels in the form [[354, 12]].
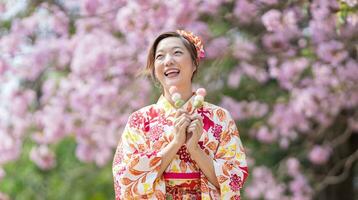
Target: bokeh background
[[286, 70]]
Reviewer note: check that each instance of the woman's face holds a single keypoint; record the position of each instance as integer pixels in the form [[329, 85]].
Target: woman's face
[[173, 64]]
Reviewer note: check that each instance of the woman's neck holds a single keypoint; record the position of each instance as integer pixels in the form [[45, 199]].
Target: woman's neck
[[186, 94]]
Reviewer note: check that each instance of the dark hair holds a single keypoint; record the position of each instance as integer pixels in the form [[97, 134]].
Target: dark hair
[[149, 69]]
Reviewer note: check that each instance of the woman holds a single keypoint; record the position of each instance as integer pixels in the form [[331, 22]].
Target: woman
[[179, 153]]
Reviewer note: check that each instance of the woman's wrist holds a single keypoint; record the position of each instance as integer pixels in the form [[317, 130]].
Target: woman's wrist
[[194, 149], [176, 144]]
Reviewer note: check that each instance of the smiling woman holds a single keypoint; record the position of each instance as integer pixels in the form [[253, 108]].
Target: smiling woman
[[195, 52], [179, 152], [173, 66]]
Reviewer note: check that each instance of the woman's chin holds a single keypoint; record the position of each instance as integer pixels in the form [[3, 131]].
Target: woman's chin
[[172, 82]]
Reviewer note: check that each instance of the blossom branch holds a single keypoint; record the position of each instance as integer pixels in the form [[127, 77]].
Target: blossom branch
[[330, 180]]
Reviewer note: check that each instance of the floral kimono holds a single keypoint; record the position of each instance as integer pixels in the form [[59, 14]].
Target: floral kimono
[[138, 156]]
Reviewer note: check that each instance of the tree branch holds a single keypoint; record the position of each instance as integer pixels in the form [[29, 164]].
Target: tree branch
[[341, 138], [330, 180]]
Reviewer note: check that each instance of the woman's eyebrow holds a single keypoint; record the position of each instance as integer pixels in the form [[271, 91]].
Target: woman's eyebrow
[[176, 47], [172, 48]]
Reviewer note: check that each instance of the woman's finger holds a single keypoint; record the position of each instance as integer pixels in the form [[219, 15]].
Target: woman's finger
[[195, 126], [196, 122], [180, 121], [179, 113], [190, 130], [196, 116], [186, 121], [200, 123], [191, 126]]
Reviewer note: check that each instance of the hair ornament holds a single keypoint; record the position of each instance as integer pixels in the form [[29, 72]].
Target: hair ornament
[[198, 43]]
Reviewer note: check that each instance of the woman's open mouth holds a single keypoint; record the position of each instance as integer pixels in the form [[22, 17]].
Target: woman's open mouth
[[171, 73]]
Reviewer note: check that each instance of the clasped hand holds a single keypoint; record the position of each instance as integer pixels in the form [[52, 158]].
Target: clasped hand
[[188, 129]]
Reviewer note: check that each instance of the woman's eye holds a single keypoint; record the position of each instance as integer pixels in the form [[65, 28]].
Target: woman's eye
[[159, 56], [178, 52]]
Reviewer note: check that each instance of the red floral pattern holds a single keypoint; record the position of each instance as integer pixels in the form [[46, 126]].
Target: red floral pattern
[[235, 182], [236, 197], [155, 132], [217, 131], [179, 189], [184, 155], [136, 120], [138, 156]]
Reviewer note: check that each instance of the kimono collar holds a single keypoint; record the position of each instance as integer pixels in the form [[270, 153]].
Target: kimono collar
[[168, 107]]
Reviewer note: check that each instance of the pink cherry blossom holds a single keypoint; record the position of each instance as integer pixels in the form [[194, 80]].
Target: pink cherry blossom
[[293, 166], [4, 196], [333, 52], [234, 77], [275, 42], [255, 72], [269, 2], [352, 19], [89, 6], [264, 135], [217, 48], [3, 67], [67, 70], [353, 124], [244, 109], [321, 27], [243, 49], [211, 7], [43, 157], [245, 11], [9, 44], [272, 20], [351, 3], [10, 148], [287, 122], [319, 154], [264, 185], [2, 7], [299, 187], [288, 74]]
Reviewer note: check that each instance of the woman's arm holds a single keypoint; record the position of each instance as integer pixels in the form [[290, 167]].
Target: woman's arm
[[204, 161], [167, 155], [205, 164], [182, 120], [227, 168], [230, 160]]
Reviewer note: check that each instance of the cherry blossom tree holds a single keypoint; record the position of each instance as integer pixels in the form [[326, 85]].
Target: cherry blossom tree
[[286, 70]]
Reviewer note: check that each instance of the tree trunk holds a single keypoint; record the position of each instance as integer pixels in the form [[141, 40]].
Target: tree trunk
[[345, 190]]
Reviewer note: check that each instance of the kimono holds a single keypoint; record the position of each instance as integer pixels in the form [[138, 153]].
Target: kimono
[[138, 156]]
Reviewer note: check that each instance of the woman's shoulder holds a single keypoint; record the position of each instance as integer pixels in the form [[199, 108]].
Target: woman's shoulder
[[138, 122], [144, 110], [219, 118], [214, 108], [217, 112]]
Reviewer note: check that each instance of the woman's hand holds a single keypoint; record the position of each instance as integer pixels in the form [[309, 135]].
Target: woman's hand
[[194, 131], [181, 122], [204, 161]]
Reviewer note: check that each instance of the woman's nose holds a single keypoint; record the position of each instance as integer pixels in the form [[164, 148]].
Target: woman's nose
[[168, 60]]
